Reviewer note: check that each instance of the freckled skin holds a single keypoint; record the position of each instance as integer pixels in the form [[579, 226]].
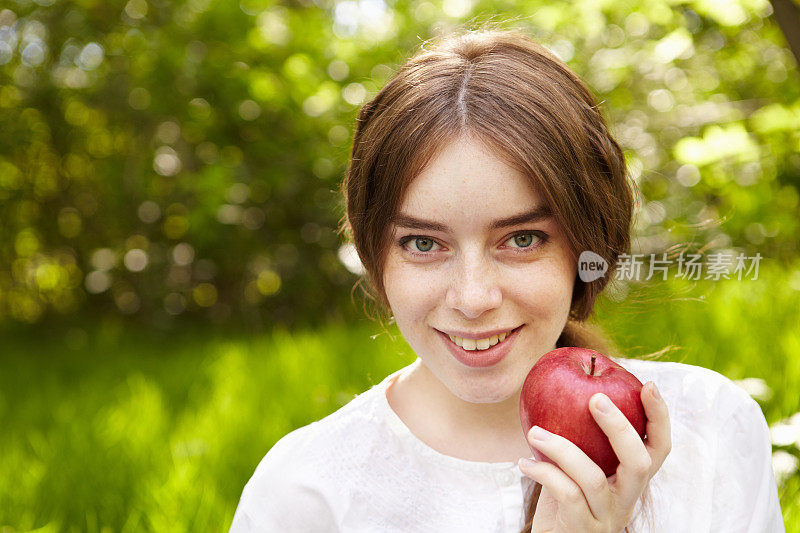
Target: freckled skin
[[476, 279]]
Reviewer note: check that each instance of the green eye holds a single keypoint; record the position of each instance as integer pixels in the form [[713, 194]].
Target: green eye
[[424, 245], [523, 240], [526, 240]]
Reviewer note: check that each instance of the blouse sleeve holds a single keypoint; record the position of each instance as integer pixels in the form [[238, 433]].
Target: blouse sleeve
[[745, 493], [282, 496]]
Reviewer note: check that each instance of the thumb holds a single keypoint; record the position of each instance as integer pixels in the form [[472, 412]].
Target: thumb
[[544, 519]]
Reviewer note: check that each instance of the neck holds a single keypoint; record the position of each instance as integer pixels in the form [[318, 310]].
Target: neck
[[489, 432]]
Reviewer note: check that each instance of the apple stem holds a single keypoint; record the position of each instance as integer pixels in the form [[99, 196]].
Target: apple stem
[[591, 372]]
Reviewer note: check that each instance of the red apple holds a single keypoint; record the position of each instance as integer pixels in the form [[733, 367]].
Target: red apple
[[555, 396]]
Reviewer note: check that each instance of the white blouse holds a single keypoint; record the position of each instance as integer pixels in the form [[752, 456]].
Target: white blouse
[[360, 469]]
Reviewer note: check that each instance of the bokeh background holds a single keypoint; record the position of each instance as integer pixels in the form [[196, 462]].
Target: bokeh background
[[174, 296]]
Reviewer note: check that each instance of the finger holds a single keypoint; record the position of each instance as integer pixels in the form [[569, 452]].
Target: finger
[[634, 460], [572, 508], [546, 514], [659, 434], [577, 465]]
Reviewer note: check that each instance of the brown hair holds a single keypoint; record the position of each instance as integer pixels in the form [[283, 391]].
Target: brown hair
[[528, 107]]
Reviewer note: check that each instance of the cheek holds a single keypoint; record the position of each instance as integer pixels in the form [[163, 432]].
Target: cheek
[[546, 289], [410, 288]]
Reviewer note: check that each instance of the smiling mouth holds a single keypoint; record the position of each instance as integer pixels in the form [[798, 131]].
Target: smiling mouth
[[480, 345], [475, 357]]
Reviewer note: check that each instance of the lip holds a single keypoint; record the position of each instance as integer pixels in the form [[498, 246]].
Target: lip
[[481, 358]]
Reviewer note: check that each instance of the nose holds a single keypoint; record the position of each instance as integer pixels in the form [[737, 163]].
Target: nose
[[474, 287]]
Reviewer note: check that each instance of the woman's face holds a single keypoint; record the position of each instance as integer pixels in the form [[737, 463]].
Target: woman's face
[[471, 276]]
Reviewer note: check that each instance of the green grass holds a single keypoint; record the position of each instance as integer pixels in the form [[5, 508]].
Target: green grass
[[112, 429], [139, 431]]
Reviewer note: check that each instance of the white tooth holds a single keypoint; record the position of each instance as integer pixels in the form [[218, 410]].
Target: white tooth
[[482, 344], [479, 344]]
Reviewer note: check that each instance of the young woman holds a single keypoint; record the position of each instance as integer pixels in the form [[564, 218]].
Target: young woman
[[478, 175]]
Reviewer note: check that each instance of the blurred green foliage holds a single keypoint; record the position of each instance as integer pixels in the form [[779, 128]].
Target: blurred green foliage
[[112, 428], [162, 159]]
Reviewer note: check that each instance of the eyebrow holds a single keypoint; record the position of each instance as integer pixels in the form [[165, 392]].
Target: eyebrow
[[534, 215]]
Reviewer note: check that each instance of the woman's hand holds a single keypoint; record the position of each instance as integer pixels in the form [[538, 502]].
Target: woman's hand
[[576, 496]]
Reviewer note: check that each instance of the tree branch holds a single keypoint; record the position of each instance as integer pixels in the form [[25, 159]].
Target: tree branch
[[787, 14]]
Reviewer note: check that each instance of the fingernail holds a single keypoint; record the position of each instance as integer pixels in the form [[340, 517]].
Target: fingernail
[[525, 462], [540, 434], [654, 391], [603, 404]]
